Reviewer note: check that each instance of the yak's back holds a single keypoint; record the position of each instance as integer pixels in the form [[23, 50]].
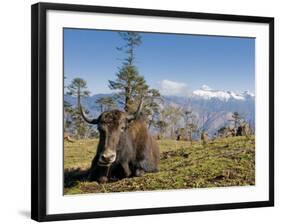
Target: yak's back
[[147, 150]]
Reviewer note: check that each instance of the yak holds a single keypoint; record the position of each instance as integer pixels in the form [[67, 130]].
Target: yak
[[125, 148], [243, 130]]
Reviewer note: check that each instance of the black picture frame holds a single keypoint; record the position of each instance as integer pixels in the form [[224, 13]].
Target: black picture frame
[[39, 108]]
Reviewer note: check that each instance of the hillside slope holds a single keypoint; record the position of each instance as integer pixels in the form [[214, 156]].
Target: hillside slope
[[221, 163]]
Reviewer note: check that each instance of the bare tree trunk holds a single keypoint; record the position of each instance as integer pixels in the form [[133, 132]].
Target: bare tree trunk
[[127, 98], [78, 97]]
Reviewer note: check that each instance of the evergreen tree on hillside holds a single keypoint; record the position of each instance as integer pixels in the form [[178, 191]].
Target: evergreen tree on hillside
[[161, 126], [131, 87], [78, 88], [130, 84], [151, 107], [132, 40], [68, 113], [191, 123], [171, 115], [105, 103]]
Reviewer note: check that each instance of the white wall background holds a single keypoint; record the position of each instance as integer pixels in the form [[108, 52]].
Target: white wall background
[[15, 109]]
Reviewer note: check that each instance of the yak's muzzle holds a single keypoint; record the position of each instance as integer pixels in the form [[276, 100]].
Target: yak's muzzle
[[107, 158]]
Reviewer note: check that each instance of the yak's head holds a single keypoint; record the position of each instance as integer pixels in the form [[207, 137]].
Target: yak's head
[[111, 125]]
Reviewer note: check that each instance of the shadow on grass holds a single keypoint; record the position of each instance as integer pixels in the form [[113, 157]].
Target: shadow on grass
[[73, 176]]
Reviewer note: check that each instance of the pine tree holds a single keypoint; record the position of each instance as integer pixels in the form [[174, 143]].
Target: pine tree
[[130, 84], [78, 88], [68, 113], [151, 107], [161, 126], [191, 123], [172, 116], [105, 103], [133, 40]]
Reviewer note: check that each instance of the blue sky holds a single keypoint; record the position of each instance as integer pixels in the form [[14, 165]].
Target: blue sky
[[172, 63]]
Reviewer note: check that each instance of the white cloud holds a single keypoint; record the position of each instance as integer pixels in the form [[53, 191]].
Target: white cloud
[[205, 87], [168, 87]]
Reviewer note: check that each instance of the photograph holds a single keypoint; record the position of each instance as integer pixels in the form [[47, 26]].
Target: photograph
[[140, 112], [153, 111], [146, 111]]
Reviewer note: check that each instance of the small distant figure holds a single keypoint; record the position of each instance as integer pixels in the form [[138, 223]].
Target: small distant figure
[[229, 132], [67, 137], [179, 137], [239, 131], [243, 130], [215, 136], [204, 138]]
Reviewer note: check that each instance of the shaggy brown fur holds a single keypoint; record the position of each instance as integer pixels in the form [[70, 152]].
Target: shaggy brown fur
[[129, 142]]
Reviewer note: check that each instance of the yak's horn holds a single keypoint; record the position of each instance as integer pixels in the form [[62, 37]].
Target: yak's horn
[[137, 113], [89, 120]]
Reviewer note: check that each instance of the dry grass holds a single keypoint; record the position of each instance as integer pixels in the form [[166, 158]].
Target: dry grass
[[220, 163]]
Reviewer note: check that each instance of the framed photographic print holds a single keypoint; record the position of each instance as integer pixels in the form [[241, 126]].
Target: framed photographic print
[[139, 111]]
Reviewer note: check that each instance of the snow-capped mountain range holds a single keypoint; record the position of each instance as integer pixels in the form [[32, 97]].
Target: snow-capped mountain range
[[207, 93], [217, 105]]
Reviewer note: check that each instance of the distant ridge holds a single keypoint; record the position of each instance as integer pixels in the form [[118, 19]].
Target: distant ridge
[[218, 104]]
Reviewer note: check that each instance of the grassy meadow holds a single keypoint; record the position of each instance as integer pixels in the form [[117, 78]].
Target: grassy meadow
[[219, 163]]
